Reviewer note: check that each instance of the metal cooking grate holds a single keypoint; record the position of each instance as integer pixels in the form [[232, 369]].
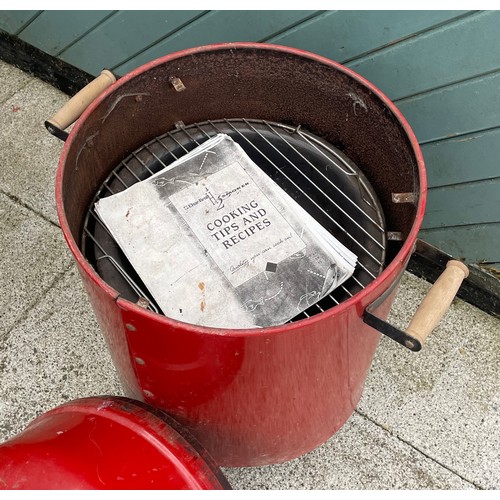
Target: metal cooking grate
[[317, 175]]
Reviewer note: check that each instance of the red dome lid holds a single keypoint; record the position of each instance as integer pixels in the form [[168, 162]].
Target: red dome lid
[[106, 443]]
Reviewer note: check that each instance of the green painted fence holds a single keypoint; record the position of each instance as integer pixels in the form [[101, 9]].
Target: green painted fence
[[441, 68]]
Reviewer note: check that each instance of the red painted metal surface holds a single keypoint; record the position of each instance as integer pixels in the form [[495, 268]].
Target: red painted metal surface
[[105, 443], [255, 397], [251, 397]]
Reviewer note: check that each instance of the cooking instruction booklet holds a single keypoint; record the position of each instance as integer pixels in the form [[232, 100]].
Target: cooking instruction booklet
[[218, 243]]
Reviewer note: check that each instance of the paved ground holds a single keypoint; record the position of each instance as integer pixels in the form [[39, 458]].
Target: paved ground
[[426, 421]]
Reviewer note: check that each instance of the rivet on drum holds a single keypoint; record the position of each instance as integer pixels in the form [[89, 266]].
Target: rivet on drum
[[410, 344], [140, 361], [130, 327], [177, 83]]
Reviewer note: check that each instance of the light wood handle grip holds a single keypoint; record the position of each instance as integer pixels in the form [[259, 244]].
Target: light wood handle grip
[[73, 109], [437, 301]]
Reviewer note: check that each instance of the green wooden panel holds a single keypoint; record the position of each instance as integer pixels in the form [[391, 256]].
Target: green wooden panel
[[12, 21], [463, 159], [463, 204], [455, 110], [122, 36], [345, 34], [469, 47], [221, 26], [54, 30], [478, 243]]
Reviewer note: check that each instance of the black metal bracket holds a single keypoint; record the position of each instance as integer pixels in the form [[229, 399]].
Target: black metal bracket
[[56, 131], [391, 331], [384, 327]]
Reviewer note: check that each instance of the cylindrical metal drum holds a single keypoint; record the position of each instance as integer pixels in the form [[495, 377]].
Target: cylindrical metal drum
[[255, 396]]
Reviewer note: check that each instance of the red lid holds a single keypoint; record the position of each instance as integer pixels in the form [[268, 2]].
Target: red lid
[[106, 443]]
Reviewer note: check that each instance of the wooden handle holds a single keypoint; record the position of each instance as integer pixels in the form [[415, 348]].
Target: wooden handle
[[437, 301], [73, 109]]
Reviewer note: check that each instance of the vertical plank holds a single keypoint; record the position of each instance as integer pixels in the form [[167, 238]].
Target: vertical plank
[[345, 34], [52, 31], [455, 52], [12, 21], [218, 27], [467, 158], [122, 36]]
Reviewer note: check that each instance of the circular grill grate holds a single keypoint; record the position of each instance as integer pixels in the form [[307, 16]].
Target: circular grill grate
[[317, 175]]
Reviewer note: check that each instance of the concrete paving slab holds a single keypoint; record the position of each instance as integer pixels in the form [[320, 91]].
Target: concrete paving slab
[[445, 400], [32, 255], [28, 153], [360, 456], [57, 354], [11, 80]]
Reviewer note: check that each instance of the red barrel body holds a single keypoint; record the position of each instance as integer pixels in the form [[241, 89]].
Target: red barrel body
[[251, 397]]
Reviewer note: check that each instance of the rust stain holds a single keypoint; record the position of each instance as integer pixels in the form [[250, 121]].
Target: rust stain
[[203, 304]]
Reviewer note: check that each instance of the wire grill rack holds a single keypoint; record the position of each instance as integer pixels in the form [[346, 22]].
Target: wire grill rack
[[318, 176]]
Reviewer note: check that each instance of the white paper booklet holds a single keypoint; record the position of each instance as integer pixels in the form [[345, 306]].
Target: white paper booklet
[[220, 244]]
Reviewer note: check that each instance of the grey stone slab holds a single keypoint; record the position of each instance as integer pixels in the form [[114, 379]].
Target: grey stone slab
[[444, 400], [360, 456], [32, 255], [57, 354], [28, 153], [11, 80]]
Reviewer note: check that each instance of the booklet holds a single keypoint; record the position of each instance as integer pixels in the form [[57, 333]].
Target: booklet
[[218, 243]]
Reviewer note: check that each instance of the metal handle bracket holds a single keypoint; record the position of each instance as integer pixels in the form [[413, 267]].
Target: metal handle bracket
[[384, 327], [391, 331], [428, 314], [74, 108]]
